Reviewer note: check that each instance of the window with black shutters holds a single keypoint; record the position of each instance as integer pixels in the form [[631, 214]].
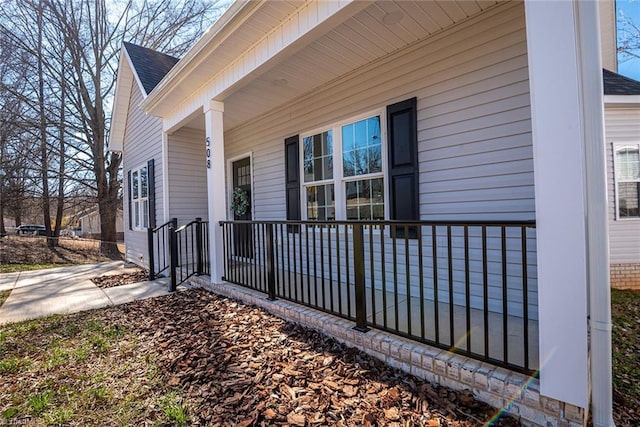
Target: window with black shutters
[[362, 168]]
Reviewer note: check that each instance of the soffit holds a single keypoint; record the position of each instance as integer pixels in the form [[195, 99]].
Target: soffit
[[375, 32], [253, 21]]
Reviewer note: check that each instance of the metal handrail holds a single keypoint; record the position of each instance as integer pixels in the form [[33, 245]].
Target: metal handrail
[[378, 273]]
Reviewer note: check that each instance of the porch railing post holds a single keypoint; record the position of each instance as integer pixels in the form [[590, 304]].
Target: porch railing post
[[173, 250], [358, 266], [152, 261], [271, 272], [199, 247]]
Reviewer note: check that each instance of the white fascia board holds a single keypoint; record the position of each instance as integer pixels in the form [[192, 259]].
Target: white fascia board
[[622, 100], [235, 15], [120, 109], [289, 36], [124, 81], [135, 74]]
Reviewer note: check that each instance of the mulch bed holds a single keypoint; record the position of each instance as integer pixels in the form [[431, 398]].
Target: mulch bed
[[238, 365], [112, 280]]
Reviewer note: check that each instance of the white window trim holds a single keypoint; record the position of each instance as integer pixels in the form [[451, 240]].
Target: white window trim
[[139, 200], [338, 179], [614, 145]]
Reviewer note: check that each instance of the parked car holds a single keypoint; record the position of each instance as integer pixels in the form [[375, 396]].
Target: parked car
[[37, 230]]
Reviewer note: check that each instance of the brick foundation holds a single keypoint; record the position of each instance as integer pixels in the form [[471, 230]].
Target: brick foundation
[[625, 276], [518, 394]]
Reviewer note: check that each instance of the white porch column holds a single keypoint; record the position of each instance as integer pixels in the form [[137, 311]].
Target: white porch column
[[557, 71], [165, 178], [214, 145]]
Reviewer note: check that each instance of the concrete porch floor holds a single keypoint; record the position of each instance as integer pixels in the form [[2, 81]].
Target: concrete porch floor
[[416, 317]]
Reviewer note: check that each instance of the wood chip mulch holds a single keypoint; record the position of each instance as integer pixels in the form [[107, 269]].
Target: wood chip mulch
[[111, 280], [238, 365]]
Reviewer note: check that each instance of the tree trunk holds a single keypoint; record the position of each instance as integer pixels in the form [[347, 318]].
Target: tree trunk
[[46, 212], [61, 154], [18, 214], [3, 231], [108, 214]]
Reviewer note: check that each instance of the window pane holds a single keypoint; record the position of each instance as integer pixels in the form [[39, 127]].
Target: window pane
[[628, 158], [628, 199], [136, 214], [145, 213], [362, 152], [134, 185], [375, 159], [365, 199], [318, 157], [143, 182], [377, 191], [348, 132], [321, 202], [378, 211]]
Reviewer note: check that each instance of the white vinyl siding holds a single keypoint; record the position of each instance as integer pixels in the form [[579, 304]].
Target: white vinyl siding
[[474, 131], [474, 134], [187, 176], [142, 142], [621, 125]]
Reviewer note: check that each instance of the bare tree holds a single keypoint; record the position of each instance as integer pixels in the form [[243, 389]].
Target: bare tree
[[15, 144], [628, 38], [76, 52]]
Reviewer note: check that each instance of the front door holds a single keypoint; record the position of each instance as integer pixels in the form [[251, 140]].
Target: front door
[[241, 205]]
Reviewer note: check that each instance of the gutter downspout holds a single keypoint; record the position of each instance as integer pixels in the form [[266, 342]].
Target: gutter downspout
[[599, 291]]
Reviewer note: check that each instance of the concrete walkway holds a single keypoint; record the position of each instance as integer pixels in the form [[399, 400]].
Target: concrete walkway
[[63, 290]]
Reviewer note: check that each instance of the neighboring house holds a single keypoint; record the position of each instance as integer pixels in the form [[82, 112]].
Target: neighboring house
[[89, 224], [622, 143], [421, 168]]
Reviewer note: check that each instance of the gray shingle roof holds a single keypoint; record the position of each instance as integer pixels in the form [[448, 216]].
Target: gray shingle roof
[[150, 65], [615, 84]]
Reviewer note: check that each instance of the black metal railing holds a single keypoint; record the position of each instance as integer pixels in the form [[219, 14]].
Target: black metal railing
[[182, 251], [158, 247], [467, 287], [190, 250]]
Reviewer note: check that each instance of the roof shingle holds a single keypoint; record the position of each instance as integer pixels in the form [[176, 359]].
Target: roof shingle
[[150, 66], [615, 84]]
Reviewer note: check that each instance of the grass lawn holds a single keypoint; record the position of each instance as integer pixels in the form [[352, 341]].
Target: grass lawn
[[625, 308], [19, 253], [12, 268], [83, 369], [3, 296]]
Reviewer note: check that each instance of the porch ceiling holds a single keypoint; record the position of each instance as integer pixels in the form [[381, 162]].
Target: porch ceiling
[[375, 32]]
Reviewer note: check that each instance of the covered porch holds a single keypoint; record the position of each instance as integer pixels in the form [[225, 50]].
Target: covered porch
[[491, 267], [467, 287]]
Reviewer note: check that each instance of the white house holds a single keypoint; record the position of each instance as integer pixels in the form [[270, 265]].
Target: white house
[[622, 145], [432, 170], [90, 224]]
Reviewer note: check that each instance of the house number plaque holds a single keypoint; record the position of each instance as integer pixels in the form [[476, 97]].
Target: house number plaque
[[208, 141]]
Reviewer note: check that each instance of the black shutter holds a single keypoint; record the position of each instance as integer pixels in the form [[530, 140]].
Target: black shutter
[[403, 160], [292, 178], [129, 199], [151, 180]]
